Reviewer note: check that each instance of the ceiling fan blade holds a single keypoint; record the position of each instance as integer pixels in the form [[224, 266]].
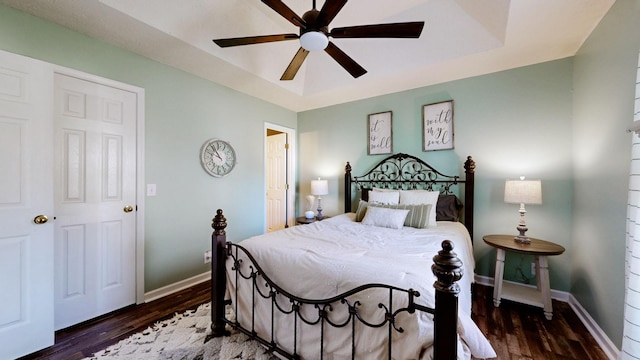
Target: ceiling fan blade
[[295, 64], [394, 30], [254, 40], [329, 10], [286, 12], [343, 59]]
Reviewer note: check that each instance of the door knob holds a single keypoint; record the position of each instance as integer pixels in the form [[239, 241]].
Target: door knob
[[128, 209], [40, 219]]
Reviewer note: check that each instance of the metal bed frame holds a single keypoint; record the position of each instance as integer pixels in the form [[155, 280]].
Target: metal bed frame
[[400, 171]]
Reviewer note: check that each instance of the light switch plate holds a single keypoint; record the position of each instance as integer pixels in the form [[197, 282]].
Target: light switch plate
[[151, 189]]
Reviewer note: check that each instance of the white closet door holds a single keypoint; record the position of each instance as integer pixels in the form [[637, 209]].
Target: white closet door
[[95, 199], [26, 191]]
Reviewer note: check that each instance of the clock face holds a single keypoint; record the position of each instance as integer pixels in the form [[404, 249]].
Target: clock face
[[218, 157]]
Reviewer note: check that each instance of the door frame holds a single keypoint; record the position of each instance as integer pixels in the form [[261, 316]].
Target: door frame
[[291, 170], [140, 174]]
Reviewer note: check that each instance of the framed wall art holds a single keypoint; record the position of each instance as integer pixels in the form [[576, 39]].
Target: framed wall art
[[437, 126], [380, 140]]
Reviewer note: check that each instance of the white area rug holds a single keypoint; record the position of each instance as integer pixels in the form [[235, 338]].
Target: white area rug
[[182, 338]]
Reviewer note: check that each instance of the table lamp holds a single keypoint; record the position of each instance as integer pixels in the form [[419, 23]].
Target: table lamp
[[523, 192], [319, 188]]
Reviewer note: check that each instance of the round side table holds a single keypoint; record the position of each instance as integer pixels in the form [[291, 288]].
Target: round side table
[[540, 249]]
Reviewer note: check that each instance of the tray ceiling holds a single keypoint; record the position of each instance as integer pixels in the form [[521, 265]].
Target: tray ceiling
[[461, 38]]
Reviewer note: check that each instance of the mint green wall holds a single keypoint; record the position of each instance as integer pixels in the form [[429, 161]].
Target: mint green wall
[[182, 111], [513, 123], [604, 88]]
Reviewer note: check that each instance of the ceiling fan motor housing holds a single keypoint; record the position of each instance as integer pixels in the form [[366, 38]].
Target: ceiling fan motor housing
[[311, 20]]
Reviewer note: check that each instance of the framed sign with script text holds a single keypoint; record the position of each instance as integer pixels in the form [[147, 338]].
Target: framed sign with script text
[[380, 139], [437, 126]]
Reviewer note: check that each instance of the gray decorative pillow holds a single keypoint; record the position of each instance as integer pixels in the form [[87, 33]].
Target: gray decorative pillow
[[448, 208]]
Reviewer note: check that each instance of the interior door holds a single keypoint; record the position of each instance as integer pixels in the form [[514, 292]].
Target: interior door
[[276, 181], [95, 195], [26, 191]]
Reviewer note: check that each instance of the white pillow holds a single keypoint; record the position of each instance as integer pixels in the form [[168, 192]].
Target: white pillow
[[419, 197], [383, 189], [384, 217], [384, 197], [418, 216]]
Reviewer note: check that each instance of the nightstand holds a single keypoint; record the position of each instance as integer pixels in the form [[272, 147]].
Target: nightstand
[[303, 220], [539, 296]]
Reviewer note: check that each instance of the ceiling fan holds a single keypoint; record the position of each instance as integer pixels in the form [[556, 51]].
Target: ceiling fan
[[314, 35]]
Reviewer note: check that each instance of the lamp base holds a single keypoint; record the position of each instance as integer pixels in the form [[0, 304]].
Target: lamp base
[[319, 215], [522, 238]]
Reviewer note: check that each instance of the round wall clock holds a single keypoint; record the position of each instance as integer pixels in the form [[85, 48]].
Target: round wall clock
[[217, 157]]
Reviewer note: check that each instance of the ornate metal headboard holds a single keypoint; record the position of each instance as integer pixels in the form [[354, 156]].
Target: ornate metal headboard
[[403, 171]]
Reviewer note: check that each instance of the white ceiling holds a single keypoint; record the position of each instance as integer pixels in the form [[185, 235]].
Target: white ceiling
[[461, 38]]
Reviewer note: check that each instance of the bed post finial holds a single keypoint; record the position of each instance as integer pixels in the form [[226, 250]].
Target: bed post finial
[[470, 165], [447, 268], [218, 276], [219, 223], [469, 185]]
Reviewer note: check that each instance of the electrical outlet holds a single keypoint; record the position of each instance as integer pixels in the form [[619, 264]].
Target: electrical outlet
[[207, 256], [533, 268]]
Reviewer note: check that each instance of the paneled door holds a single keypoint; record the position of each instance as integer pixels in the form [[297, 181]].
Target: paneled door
[[26, 206], [95, 199], [276, 181]]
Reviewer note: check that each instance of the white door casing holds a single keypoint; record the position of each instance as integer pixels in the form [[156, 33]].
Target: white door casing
[[95, 199], [276, 181], [26, 190]]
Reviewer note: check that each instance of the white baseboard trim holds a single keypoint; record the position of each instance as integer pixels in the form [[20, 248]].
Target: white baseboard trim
[[601, 338], [175, 287]]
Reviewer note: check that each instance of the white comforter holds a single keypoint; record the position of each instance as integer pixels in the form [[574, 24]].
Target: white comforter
[[324, 259]]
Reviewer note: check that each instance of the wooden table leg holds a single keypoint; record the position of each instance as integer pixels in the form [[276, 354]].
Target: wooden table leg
[[497, 279], [545, 287], [537, 275]]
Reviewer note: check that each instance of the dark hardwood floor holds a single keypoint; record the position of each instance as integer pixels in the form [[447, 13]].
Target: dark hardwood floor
[[516, 331], [519, 331], [84, 339]]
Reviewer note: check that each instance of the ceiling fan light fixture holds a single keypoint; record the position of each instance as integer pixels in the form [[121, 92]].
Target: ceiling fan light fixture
[[314, 40]]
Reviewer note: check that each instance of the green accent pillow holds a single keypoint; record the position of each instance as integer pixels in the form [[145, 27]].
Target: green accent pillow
[[362, 209]]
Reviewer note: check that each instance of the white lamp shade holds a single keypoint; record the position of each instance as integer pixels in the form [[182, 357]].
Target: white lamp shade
[[523, 192], [314, 40], [319, 187]]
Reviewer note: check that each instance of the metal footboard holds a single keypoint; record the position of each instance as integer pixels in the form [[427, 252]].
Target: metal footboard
[[321, 312]]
